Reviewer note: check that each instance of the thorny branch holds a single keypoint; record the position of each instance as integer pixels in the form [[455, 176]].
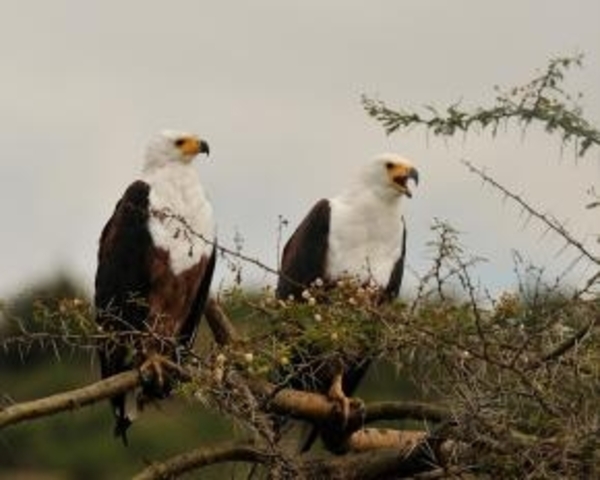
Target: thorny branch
[[297, 404], [541, 100], [203, 456], [520, 375], [551, 223]]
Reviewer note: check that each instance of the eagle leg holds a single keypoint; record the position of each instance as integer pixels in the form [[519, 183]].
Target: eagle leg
[[347, 416], [152, 369], [336, 394]]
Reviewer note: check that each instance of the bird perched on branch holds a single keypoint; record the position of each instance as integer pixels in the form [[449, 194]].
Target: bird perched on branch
[[359, 234], [155, 264]]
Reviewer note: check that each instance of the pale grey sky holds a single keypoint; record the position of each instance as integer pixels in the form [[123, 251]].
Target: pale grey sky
[[275, 87]]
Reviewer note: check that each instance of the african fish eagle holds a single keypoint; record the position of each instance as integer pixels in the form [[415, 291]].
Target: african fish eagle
[[155, 264], [360, 234]]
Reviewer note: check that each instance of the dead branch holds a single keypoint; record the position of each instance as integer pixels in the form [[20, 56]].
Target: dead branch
[[316, 407], [549, 222], [70, 400], [369, 439], [405, 410], [388, 463], [201, 457], [308, 406], [409, 453], [219, 323], [567, 344]]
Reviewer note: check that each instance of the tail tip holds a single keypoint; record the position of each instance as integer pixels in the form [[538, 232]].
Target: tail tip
[[121, 427]]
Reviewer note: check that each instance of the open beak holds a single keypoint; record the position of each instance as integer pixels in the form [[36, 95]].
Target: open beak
[[402, 180]]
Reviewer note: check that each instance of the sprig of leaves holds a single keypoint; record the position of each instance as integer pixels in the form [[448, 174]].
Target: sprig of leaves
[[542, 100]]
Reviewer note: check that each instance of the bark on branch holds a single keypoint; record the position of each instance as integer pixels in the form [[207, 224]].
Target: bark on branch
[[295, 403], [70, 400], [201, 457], [414, 454], [395, 449], [221, 327], [316, 407]]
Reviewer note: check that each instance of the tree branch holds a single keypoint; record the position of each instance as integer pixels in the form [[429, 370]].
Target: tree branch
[[201, 457], [221, 327], [302, 405], [316, 407], [411, 454], [70, 400], [545, 219]]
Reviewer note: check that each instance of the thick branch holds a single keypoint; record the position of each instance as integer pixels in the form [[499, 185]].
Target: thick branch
[[221, 327], [316, 407], [295, 403], [69, 400], [377, 438], [201, 457], [411, 453], [413, 459], [404, 411]]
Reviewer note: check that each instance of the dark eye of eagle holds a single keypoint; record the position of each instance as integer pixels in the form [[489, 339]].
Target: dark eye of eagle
[[389, 165], [179, 142]]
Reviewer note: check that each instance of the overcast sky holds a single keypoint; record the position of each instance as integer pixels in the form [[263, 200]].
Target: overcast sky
[[275, 88]]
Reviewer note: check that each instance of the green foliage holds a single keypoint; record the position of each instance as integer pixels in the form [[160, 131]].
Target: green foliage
[[542, 100], [519, 371], [34, 321]]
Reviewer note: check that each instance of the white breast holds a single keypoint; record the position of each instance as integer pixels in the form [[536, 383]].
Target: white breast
[[364, 239], [176, 194]]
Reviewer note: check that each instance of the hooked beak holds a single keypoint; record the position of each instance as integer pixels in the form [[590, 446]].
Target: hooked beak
[[414, 174], [203, 147], [402, 181]]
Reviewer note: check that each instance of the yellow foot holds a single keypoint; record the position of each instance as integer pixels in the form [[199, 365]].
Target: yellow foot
[[336, 394], [153, 368], [347, 417]]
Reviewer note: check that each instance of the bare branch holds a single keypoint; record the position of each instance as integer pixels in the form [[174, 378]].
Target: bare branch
[[405, 410], [409, 453], [201, 457], [221, 327], [550, 223], [316, 407], [70, 400], [569, 343]]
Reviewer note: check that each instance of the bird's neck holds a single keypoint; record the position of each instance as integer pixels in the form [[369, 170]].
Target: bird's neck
[[368, 201], [172, 171]]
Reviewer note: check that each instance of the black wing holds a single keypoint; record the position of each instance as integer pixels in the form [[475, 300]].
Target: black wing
[[395, 282], [122, 284], [305, 254], [122, 277]]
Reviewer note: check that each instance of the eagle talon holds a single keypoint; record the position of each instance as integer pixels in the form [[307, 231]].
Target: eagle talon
[[342, 402], [347, 416], [152, 370], [357, 413]]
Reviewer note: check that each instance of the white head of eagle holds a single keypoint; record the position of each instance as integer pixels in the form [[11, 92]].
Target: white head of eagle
[[358, 233], [155, 265], [171, 146]]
